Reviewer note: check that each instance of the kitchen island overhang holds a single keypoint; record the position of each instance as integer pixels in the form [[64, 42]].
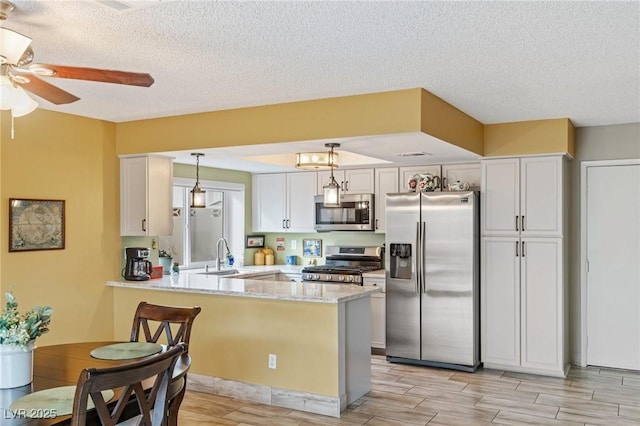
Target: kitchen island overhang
[[319, 333]]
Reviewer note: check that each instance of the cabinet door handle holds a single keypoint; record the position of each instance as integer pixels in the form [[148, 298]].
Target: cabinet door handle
[[517, 255], [288, 223], [144, 225], [517, 223], [522, 223], [377, 224], [283, 224], [523, 249]]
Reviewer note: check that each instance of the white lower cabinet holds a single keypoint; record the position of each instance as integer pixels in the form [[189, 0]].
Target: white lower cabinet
[[523, 315], [378, 313]]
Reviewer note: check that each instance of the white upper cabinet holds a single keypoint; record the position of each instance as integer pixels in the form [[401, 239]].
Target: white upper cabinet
[[284, 202], [269, 202], [146, 185], [300, 205], [465, 173], [522, 196], [352, 181], [386, 181]]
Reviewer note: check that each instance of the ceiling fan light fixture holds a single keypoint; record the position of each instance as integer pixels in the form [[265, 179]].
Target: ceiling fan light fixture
[[13, 45], [8, 93], [24, 104]]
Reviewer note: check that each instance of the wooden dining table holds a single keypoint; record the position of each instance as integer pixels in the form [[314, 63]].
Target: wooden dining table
[[60, 365]]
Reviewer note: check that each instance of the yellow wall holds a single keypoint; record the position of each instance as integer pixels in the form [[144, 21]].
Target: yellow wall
[[529, 137], [371, 114], [64, 157], [233, 337], [446, 122]]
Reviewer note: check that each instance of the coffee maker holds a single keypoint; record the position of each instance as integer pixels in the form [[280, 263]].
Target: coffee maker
[[137, 267]]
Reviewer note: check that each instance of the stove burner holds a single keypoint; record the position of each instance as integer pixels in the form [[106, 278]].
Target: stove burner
[[345, 265], [336, 274]]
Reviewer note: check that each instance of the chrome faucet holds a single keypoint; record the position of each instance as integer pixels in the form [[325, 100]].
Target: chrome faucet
[[226, 246]]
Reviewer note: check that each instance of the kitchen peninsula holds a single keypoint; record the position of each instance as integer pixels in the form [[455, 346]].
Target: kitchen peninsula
[[320, 335]]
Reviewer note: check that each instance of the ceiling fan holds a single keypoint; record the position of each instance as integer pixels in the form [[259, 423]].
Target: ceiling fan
[[16, 65]]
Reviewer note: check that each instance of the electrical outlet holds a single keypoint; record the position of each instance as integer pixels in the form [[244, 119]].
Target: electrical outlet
[[294, 244], [272, 361]]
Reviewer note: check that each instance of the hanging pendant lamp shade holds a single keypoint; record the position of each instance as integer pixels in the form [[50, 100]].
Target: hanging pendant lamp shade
[[331, 190], [198, 199]]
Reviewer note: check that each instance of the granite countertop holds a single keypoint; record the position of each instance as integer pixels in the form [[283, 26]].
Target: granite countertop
[[247, 284]]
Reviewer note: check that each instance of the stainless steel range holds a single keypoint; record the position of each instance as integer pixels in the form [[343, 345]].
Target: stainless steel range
[[345, 265]]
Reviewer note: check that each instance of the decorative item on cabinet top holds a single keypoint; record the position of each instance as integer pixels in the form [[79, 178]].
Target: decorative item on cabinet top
[[423, 183]]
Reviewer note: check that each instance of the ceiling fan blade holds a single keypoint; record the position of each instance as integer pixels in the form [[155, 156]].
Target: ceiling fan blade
[[94, 74], [12, 45], [47, 91]]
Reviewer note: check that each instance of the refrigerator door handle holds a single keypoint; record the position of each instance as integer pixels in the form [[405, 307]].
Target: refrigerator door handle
[[423, 250], [417, 258]]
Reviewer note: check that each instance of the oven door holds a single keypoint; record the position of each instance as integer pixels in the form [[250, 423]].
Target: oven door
[[355, 213]]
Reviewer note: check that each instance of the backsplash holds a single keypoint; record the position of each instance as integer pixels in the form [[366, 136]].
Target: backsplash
[[327, 238]]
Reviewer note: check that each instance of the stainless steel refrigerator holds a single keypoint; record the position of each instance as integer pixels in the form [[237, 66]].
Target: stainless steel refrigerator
[[432, 279]]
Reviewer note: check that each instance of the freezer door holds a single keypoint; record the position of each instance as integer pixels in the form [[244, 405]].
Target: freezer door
[[450, 327], [402, 293]]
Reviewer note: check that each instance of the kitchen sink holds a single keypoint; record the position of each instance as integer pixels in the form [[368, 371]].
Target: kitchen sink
[[222, 272]]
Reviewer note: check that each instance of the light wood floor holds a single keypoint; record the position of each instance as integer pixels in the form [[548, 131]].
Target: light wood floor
[[410, 395]]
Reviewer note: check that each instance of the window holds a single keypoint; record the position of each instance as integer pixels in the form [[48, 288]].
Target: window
[[197, 231]]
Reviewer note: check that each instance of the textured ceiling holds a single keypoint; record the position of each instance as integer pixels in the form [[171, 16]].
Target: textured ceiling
[[496, 61]]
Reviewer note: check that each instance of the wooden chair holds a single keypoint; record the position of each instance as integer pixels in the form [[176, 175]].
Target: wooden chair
[[165, 317], [152, 404]]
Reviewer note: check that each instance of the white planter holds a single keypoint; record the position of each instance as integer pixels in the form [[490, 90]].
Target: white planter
[[16, 365]]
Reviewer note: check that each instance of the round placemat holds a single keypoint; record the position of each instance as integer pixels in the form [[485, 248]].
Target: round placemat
[[50, 403], [126, 350]]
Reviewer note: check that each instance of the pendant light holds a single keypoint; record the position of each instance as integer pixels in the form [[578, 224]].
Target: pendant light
[[198, 199], [331, 190]]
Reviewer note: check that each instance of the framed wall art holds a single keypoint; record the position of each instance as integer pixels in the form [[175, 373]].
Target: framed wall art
[[36, 224], [312, 248], [255, 241]]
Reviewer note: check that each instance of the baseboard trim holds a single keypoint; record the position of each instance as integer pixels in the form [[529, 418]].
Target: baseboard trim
[[268, 395]]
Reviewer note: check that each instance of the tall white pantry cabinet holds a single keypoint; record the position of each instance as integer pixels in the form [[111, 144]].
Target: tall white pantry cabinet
[[524, 294]]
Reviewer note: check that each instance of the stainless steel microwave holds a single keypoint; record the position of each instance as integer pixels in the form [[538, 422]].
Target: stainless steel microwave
[[355, 213]]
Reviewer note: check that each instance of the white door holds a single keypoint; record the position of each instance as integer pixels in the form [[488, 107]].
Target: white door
[[613, 277]]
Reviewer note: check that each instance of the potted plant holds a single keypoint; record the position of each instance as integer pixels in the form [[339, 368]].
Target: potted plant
[[165, 258], [17, 341]]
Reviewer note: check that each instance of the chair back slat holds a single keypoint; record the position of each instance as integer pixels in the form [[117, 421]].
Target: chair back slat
[[130, 376], [163, 317]]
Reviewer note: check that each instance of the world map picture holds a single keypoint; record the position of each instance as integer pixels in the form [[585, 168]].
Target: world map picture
[[36, 225]]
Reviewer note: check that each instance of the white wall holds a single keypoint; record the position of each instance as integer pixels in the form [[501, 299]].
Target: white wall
[[592, 143]]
